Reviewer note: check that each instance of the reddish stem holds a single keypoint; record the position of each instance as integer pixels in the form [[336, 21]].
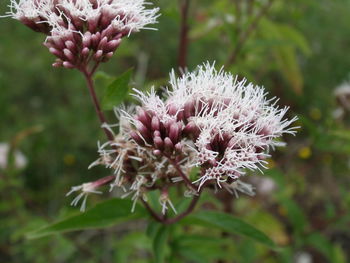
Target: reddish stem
[[91, 87], [183, 44], [169, 221], [181, 173]]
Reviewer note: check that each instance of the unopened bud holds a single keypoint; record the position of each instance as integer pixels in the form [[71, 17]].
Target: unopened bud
[[67, 64], [68, 54], [55, 52], [168, 144], [134, 135], [98, 54], [158, 143]]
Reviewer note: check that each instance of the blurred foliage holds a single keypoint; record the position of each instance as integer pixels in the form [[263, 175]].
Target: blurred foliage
[[296, 49]]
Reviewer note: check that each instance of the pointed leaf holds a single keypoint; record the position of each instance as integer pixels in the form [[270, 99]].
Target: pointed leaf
[[117, 91], [229, 224], [104, 214], [160, 242]]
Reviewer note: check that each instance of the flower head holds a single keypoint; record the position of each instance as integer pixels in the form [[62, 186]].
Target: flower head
[[208, 120], [81, 31]]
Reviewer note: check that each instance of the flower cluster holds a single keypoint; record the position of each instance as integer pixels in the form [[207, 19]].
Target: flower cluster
[[80, 31], [209, 120]]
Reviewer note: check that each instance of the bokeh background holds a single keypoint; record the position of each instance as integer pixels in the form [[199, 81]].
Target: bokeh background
[[298, 50]]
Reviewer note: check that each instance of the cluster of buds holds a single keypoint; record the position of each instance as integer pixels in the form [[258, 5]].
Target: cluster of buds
[[83, 31], [208, 120]]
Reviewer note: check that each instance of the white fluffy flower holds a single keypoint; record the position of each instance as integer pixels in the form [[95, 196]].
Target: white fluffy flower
[[233, 124], [84, 31], [208, 119], [124, 14]]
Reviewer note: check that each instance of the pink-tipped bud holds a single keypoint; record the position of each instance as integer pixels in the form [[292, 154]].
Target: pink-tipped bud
[[134, 135], [95, 39], [143, 117], [156, 134], [67, 64], [155, 123], [188, 109], [55, 52], [112, 45], [70, 45], [93, 22], [172, 109], [168, 144], [180, 115], [103, 43], [68, 54], [178, 147], [191, 129], [174, 132], [85, 52], [109, 55], [144, 132], [98, 54], [157, 152], [48, 44], [58, 42], [158, 143], [57, 64], [87, 39]]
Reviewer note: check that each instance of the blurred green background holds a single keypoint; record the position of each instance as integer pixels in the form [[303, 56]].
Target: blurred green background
[[298, 50]]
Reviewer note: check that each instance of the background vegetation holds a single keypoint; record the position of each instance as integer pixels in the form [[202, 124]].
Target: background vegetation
[[297, 49]]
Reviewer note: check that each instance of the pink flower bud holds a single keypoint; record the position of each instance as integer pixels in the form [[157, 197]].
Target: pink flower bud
[[189, 109], [134, 135], [157, 134], [168, 144], [155, 123], [158, 143], [157, 152], [144, 132], [87, 39], [174, 132], [67, 64], [98, 54], [178, 147], [143, 117], [112, 45], [85, 52], [68, 54], [55, 52], [109, 55], [57, 64], [103, 43], [172, 109], [70, 45], [95, 39]]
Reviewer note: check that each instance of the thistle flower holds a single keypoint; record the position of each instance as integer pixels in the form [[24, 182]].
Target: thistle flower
[[208, 120], [79, 32]]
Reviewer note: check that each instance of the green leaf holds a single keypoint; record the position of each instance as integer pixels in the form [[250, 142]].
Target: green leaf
[[295, 214], [285, 54], [117, 91], [153, 229], [160, 242], [104, 214], [201, 249], [229, 224]]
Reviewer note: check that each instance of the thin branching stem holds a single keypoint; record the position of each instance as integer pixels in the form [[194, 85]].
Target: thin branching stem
[[184, 27], [181, 173], [90, 84], [246, 34]]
